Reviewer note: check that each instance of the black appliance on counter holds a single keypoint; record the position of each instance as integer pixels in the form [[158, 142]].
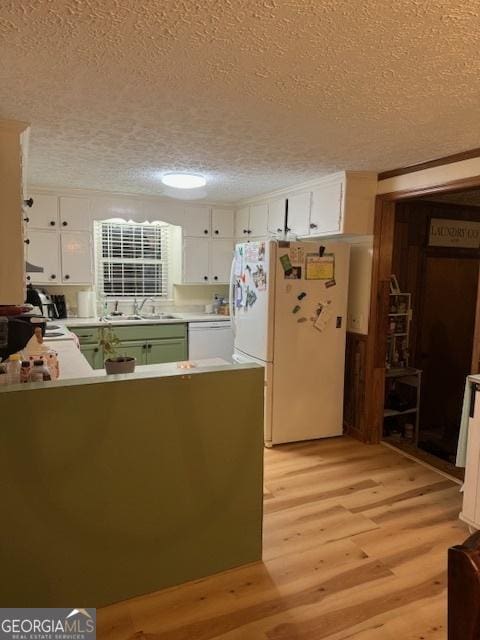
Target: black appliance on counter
[[52, 306], [19, 330]]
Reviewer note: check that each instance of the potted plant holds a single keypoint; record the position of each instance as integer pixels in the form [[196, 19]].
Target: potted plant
[[109, 342]]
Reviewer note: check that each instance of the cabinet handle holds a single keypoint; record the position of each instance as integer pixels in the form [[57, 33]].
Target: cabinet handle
[[53, 276], [245, 231], [27, 220], [216, 232], [28, 278], [249, 231], [64, 223], [288, 229], [28, 203], [67, 277], [279, 230], [205, 231], [52, 223], [215, 277], [144, 347], [205, 277], [96, 350], [313, 225], [27, 241], [149, 347]]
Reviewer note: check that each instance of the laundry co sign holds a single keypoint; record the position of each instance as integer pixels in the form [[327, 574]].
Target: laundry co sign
[[454, 233]]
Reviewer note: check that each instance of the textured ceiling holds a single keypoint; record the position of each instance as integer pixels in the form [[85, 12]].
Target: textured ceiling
[[255, 94]]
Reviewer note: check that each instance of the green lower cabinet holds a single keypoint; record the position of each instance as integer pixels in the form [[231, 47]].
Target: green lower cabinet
[[93, 355], [166, 351], [137, 350]]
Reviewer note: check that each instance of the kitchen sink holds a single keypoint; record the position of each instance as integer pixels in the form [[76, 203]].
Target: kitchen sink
[[133, 318]]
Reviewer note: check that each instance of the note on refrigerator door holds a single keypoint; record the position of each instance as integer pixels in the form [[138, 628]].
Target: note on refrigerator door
[[297, 255], [323, 314], [320, 267]]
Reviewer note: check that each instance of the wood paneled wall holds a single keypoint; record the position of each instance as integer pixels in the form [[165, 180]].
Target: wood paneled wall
[[410, 250], [354, 395]]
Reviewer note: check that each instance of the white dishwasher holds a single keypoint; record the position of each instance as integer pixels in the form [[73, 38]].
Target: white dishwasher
[[210, 340]]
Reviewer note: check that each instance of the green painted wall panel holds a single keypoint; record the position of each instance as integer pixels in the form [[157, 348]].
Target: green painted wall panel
[[110, 490]]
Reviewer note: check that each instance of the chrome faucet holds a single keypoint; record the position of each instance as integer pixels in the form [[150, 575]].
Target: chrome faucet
[[138, 310]]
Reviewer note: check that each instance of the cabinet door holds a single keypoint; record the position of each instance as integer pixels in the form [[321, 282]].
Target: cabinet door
[[298, 219], [242, 221], [258, 220], [43, 214], [326, 214], [174, 350], [76, 257], [94, 355], [196, 266], [276, 216], [221, 256], [137, 350], [222, 223], [196, 222], [75, 214], [43, 251]]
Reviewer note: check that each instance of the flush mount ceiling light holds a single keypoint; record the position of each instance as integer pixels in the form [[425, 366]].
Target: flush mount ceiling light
[[183, 180]]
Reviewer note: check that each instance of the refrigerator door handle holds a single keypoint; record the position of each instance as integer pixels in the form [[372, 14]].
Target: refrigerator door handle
[[232, 298]]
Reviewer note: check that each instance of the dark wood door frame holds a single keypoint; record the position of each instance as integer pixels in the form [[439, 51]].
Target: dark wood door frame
[[384, 227]]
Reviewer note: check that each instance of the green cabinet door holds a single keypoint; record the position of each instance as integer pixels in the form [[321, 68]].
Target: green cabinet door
[[93, 354], [172, 350], [137, 350]]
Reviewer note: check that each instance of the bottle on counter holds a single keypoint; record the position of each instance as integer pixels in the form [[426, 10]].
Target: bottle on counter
[[39, 372], [14, 364], [3, 374]]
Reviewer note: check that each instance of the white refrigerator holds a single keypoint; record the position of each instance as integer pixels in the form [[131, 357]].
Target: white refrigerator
[[288, 310]]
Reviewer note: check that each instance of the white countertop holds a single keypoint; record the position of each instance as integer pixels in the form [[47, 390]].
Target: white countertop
[[179, 317]]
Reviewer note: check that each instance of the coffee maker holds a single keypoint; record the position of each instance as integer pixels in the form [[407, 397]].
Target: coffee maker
[[52, 307]]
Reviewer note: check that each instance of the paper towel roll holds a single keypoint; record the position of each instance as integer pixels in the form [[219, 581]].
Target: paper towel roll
[[84, 304]]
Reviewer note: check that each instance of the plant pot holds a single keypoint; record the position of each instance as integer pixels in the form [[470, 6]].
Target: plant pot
[[122, 364]]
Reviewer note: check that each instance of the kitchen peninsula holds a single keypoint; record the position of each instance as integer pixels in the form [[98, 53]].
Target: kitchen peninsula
[[115, 486]]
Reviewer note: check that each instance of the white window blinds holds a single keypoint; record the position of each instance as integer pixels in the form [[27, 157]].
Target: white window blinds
[[132, 259]]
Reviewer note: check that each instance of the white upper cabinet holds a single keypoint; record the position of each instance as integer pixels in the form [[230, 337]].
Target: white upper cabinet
[[196, 223], [196, 260], [221, 256], [344, 203], [276, 216], [327, 207], [44, 212], [207, 260], [76, 258], [242, 221], [298, 217], [258, 220], [43, 251], [222, 223], [75, 214]]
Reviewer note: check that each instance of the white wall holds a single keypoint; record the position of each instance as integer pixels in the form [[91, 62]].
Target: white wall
[[359, 284]]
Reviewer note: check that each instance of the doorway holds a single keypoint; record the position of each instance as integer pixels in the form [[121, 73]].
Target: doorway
[[435, 261]]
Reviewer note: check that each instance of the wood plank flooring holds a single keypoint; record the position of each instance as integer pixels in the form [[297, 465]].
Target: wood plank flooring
[[355, 547]]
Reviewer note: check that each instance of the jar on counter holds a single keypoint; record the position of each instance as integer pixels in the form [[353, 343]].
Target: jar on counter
[[39, 372], [14, 364]]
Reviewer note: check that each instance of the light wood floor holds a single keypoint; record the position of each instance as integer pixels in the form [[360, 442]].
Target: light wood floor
[[355, 547]]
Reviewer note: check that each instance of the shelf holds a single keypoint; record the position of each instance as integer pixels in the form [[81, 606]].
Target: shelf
[[393, 412], [399, 314], [396, 335], [398, 372]]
